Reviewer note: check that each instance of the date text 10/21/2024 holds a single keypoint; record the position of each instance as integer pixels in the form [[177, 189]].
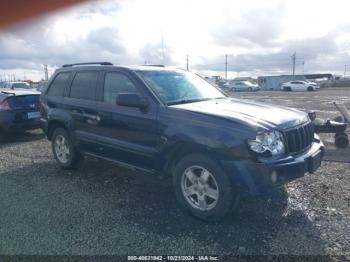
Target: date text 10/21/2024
[[173, 258]]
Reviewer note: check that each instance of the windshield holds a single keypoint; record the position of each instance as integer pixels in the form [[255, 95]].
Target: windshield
[[174, 87]]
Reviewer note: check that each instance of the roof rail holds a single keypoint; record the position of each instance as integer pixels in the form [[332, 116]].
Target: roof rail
[[88, 63], [155, 65]]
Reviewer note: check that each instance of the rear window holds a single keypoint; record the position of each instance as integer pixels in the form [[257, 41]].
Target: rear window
[[31, 101], [21, 85], [84, 85], [58, 84]]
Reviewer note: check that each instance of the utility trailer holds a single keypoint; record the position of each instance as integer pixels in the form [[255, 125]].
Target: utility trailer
[[337, 126]]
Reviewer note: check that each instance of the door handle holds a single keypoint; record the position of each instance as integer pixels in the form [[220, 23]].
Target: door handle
[[92, 117]]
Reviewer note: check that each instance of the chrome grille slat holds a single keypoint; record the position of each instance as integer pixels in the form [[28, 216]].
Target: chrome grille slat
[[299, 138]]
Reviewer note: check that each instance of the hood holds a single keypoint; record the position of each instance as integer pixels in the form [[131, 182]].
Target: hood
[[255, 114]]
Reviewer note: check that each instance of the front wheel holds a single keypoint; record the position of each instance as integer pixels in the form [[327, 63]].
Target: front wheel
[[203, 188], [63, 150], [341, 140]]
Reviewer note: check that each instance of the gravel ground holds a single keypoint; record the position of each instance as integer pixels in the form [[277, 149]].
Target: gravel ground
[[102, 209]]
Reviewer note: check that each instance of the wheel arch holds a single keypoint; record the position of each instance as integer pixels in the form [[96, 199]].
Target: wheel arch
[[52, 125], [180, 151]]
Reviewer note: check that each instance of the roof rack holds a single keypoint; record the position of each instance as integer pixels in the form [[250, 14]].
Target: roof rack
[[155, 65], [88, 63]]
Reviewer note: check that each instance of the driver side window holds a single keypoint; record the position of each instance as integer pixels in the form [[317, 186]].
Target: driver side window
[[116, 83]]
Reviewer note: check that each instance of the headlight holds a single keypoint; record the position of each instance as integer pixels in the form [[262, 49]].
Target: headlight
[[271, 142]]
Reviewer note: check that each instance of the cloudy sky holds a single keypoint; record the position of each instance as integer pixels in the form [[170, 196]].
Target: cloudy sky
[[258, 36]]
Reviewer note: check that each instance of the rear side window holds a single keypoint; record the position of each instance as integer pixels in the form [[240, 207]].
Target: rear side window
[[116, 83], [84, 85], [58, 85]]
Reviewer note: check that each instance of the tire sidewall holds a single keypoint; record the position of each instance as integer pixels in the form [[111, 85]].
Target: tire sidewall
[[341, 141], [64, 133], [223, 182]]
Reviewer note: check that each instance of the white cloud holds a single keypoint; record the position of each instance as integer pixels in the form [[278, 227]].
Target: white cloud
[[259, 35]]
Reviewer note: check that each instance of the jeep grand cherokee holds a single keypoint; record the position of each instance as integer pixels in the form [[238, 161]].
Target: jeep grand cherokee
[[170, 122]]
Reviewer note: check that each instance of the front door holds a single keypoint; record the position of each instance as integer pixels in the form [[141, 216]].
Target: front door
[[126, 134]]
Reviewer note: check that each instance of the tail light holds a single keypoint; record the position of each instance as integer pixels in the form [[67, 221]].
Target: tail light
[[4, 106], [42, 108]]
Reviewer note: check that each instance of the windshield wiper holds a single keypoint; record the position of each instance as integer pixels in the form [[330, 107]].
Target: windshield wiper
[[185, 101]]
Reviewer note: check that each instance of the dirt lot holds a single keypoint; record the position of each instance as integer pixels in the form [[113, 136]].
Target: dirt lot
[[102, 209]]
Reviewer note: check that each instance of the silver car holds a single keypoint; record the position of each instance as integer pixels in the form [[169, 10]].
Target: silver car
[[244, 86]]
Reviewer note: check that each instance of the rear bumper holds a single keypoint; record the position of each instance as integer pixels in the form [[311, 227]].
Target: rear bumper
[[22, 125], [259, 177]]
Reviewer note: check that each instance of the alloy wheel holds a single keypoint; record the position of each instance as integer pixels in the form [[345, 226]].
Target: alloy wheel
[[62, 149], [200, 188]]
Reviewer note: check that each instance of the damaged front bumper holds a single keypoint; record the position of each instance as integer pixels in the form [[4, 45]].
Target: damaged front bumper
[[256, 177]]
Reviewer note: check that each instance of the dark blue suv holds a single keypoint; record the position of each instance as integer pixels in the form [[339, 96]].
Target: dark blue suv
[[170, 122]]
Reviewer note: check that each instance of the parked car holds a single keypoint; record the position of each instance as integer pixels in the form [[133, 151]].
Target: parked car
[[317, 86], [172, 123], [19, 110], [16, 85], [298, 86], [243, 86]]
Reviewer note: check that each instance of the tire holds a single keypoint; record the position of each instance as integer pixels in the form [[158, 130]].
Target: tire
[[250, 89], [310, 88], [341, 140], [287, 88], [339, 119], [199, 167], [73, 159]]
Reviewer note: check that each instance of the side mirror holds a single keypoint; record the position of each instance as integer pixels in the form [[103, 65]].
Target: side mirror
[[131, 100]]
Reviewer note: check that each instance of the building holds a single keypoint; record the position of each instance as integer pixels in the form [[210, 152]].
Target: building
[[275, 82]]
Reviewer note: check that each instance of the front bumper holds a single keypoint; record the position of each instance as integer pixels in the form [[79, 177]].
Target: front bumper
[[256, 177]]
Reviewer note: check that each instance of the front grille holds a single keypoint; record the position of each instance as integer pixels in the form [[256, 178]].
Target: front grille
[[299, 138]]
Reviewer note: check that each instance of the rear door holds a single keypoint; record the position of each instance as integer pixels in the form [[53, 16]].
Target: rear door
[[126, 134], [80, 102], [300, 85]]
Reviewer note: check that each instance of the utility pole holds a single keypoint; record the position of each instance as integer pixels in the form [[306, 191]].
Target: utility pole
[[294, 56], [187, 62], [46, 72], [344, 71], [226, 67]]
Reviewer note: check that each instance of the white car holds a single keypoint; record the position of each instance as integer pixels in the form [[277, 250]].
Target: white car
[[298, 86], [243, 86], [313, 83]]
